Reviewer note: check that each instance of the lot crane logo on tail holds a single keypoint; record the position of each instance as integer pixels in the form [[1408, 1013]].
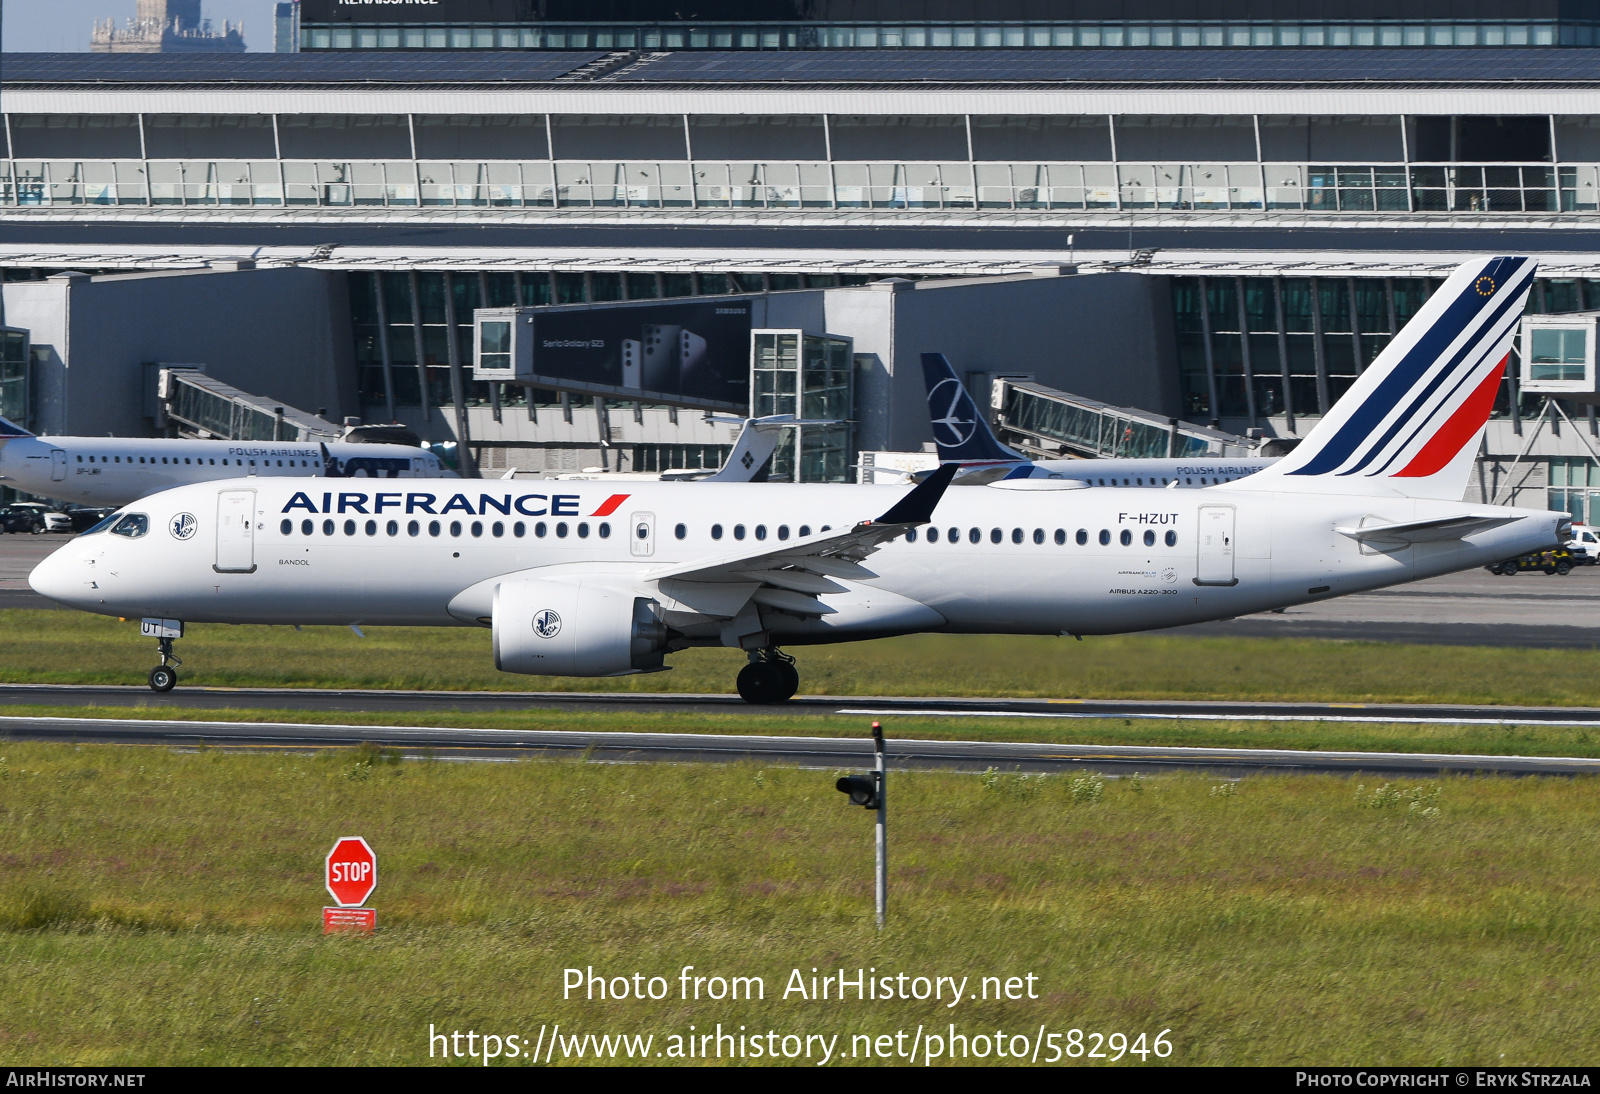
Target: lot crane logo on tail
[[959, 429]]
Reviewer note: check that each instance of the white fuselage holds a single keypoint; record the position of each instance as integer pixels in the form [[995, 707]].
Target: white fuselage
[[344, 551], [118, 470]]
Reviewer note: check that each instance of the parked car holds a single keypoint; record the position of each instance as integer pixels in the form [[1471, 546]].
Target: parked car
[[1557, 560], [83, 518], [50, 519], [14, 519], [1584, 545]]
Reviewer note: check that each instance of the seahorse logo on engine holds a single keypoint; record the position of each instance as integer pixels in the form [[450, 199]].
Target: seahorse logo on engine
[[547, 624]]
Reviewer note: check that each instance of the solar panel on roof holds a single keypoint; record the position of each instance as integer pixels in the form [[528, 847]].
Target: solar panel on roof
[[1121, 65], [1128, 66], [354, 67]]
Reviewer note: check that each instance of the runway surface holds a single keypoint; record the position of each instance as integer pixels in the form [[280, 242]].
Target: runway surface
[[1473, 608], [822, 752], [866, 707]]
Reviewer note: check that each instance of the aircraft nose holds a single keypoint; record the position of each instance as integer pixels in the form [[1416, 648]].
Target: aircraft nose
[[62, 576]]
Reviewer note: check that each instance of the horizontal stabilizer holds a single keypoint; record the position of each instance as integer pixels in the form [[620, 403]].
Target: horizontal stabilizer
[[1426, 531]]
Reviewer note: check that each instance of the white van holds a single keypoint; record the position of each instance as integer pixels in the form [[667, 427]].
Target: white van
[[1584, 545]]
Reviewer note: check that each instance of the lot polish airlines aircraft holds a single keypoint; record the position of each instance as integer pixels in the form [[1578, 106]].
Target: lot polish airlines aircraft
[[577, 580], [963, 436], [117, 470]]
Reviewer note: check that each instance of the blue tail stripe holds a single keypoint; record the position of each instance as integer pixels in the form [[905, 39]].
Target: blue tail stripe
[[1467, 376], [1509, 296], [1339, 448]]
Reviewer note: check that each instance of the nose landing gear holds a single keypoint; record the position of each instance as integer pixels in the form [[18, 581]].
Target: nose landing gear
[[164, 677], [769, 678]]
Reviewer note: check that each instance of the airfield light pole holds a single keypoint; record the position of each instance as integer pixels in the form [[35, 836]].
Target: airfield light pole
[[881, 839], [868, 792]]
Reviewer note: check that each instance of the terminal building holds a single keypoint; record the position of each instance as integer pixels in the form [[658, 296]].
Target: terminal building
[[1213, 221]]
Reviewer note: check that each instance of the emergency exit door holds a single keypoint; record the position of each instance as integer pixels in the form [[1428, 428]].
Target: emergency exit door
[[236, 532], [58, 465], [1216, 546], [642, 534]]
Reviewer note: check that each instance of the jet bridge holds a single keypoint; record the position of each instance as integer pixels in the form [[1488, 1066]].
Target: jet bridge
[[1045, 423], [208, 409]]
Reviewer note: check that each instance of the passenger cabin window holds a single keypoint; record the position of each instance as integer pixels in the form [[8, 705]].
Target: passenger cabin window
[[805, 530], [716, 531], [933, 535], [1126, 537], [1172, 539], [1083, 536], [133, 526], [680, 531], [1105, 537]]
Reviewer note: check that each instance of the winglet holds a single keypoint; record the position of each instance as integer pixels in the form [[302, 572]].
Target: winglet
[[330, 466], [917, 507]]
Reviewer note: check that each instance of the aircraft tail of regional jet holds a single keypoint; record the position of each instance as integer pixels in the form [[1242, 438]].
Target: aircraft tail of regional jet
[[959, 428]]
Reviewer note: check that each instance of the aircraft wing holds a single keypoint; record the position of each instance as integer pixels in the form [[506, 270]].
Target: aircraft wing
[[1425, 531], [790, 576]]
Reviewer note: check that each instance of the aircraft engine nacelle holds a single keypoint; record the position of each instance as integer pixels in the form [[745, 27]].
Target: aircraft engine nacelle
[[575, 628]]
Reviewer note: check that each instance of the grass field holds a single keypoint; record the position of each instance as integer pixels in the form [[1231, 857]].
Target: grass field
[[70, 647], [162, 907], [1480, 740]]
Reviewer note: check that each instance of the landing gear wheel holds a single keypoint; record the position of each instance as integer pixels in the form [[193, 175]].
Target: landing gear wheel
[[164, 677], [761, 683], [769, 678], [791, 678]]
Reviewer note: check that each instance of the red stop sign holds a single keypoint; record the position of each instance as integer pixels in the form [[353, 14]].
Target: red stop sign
[[352, 871]]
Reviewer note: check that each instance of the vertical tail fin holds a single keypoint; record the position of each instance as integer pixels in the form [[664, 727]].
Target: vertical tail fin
[[959, 428], [1409, 425]]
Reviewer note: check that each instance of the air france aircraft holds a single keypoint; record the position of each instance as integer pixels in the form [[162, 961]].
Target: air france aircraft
[[580, 580], [117, 470], [964, 437]]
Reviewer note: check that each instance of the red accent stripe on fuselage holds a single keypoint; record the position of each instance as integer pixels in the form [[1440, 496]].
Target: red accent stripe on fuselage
[[1455, 433], [610, 505]]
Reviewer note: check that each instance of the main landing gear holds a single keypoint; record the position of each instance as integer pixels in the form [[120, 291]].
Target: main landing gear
[[770, 677], [165, 675]]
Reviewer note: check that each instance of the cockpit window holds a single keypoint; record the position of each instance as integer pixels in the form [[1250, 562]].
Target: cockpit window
[[133, 526], [103, 524]]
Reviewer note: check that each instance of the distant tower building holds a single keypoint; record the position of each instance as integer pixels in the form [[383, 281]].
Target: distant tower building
[[286, 27], [167, 26]]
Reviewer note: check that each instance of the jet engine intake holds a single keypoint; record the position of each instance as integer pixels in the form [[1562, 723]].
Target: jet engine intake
[[575, 628]]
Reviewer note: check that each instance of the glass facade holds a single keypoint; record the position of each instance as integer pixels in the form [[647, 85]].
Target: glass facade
[[1440, 33], [1252, 186], [1575, 487], [812, 377], [406, 322], [1253, 348], [1360, 166], [14, 376]]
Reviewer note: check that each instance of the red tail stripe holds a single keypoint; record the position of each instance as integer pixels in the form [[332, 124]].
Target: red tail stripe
[[609, 506], [1463, 425]]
